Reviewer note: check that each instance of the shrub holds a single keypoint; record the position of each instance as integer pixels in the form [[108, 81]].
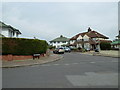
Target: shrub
[[51, 47], [105, 46], [21, 46]]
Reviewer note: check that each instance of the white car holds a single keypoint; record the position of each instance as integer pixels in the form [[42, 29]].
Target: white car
[[59, 51], [67, 49]]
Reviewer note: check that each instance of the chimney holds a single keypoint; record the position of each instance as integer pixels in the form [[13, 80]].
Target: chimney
[[61, 35], [89, 29]]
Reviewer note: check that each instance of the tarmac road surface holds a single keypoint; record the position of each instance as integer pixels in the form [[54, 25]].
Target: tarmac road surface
[[75, 70]]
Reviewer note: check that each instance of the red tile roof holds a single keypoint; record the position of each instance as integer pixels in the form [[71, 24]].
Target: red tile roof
[[105, 41], [76, 36], [92, 34]]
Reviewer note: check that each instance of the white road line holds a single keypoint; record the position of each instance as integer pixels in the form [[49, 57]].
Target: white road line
[[75, 63], [56, 64], [45, 65], [114, 61], [92, 62], [66, 64]]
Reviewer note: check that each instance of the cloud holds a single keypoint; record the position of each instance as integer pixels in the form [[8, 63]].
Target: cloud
[[50, 20]]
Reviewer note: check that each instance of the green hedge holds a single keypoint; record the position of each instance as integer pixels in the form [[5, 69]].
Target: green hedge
[[105, 46], [51, 47], [21, 46]]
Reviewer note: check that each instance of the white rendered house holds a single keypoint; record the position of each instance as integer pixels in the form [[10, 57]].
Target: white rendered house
[[88, 40], [8, 31], [59, 42]]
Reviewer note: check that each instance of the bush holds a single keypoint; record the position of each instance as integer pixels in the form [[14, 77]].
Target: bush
[[105, 46], [74, 49], [83, 50], [51, 47], [21, 46]]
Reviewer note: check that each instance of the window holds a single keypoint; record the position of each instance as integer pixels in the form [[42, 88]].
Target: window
[[64, 41], [94, 38], [86, 39], [79, 40]]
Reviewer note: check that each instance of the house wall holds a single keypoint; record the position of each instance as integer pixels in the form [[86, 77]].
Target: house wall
[[98, 39], [0, 29], [15, 35], [79, 45], [72, 41], [56, 44], [116, 46], [79, 37], [4, 31], [8, 33], [85, 38], [87, 46]]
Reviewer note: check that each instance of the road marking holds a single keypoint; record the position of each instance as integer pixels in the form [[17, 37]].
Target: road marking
[[75, 63], [94, 79], [56, 64], [66, 64], [92, 62], [45, 65], [114, 61]]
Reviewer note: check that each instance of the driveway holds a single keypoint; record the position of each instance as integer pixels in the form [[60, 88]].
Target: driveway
[[75, 70]]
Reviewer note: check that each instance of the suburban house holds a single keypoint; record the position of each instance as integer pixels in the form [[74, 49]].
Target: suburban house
[[8, 31], [60, 41], [116, 43], [2, 35], [88, 40]]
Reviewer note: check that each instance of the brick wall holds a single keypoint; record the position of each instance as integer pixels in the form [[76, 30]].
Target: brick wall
[[15, 57]]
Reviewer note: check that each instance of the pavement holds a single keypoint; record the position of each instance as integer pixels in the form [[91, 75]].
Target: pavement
[[29, 62], [108, 53]]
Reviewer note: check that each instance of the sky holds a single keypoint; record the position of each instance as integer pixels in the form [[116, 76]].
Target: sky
[[49, 20]]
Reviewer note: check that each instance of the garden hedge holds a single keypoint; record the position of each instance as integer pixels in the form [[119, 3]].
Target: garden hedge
[[105, 46], [21, 46]]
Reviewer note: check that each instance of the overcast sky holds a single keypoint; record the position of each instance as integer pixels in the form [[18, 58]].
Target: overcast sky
[[48, 20]]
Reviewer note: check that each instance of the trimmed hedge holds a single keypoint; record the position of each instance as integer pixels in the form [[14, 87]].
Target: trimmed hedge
[[51, 47], [105, 46], [21, 46]]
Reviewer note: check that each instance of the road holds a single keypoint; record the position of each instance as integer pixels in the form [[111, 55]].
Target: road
[[75, 70]]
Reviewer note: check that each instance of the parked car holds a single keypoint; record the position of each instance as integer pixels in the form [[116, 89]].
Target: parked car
[[96, 50], [59, 51], [67, 49]]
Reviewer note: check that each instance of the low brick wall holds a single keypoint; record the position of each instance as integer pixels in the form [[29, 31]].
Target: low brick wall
[[15, 57]]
